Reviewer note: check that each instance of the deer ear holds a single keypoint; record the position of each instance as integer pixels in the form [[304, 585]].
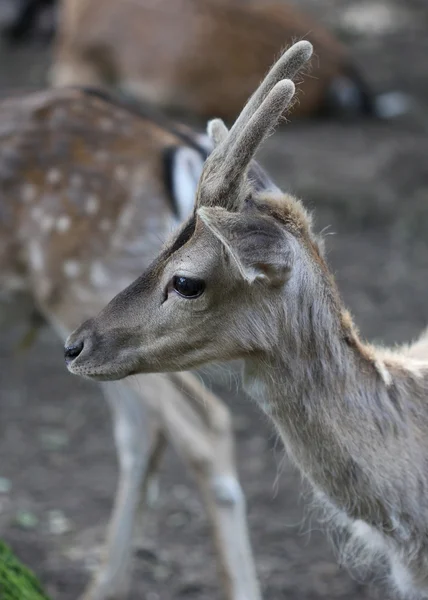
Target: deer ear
[[255, 242], [183, 169]]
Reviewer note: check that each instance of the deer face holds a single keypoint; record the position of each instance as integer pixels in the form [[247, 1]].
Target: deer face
[[205, 297]]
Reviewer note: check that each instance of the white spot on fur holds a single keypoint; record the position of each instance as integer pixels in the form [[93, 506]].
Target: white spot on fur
[[63, 223], [28, 192], [92, 204], [53, 176], [71, 268]]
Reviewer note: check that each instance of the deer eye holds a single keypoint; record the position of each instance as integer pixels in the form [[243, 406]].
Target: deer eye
[[187, 287]]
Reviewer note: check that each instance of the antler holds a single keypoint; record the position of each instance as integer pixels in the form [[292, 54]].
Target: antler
[[225, 169]]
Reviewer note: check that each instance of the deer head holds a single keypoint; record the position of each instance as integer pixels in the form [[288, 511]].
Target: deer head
[[211, 293]]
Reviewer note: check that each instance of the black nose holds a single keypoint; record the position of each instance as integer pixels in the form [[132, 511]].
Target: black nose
[[73, 351]]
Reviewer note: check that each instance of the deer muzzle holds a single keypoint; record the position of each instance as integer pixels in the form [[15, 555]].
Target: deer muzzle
[[94, 356]]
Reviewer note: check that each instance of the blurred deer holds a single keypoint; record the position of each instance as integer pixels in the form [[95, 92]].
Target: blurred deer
[[246, 278], [204, 57], [88, 191]]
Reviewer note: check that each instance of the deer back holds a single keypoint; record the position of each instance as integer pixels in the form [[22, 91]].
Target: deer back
[[88, 192], [202, 57]]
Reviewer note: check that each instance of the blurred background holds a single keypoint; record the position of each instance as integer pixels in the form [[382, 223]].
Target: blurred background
[[356, 154]]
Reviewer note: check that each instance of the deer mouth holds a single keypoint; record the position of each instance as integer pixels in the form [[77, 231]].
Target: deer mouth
[[86, 368], [89, 355], [100, 374]]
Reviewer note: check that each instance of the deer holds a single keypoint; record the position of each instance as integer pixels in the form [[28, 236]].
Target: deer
[[160, 52], [246, 278], [90, 186]]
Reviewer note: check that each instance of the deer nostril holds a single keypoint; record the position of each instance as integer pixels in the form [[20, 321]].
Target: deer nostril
[[73, 351]]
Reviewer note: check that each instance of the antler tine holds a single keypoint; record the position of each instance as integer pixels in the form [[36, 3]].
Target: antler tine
[[285, 67], [258, 128], [224, 182], [226, 167]]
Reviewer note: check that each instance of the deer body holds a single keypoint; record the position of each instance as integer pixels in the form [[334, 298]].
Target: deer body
[[248, 263], [56, 198], [88, 191], [161, 51]]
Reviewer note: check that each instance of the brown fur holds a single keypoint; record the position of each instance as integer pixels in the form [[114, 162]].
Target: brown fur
[[203, 57]]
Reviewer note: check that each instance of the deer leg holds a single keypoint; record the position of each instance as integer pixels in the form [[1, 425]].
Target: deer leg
[[199, 426], [133, 428], [149, 492]]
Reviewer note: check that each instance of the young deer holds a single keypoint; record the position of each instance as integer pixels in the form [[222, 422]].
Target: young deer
[[88, 191], [246, 278], [161, 51]]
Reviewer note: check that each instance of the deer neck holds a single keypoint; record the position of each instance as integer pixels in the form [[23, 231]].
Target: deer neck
[[328, 396]]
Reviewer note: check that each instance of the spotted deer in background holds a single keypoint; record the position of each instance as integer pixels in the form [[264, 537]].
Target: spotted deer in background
[[88, 191], [205, 57], [353, 417]]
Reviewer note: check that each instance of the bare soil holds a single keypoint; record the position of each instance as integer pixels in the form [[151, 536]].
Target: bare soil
[[367, 181]]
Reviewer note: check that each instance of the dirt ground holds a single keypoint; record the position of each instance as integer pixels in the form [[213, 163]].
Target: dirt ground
[[369, 182]]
